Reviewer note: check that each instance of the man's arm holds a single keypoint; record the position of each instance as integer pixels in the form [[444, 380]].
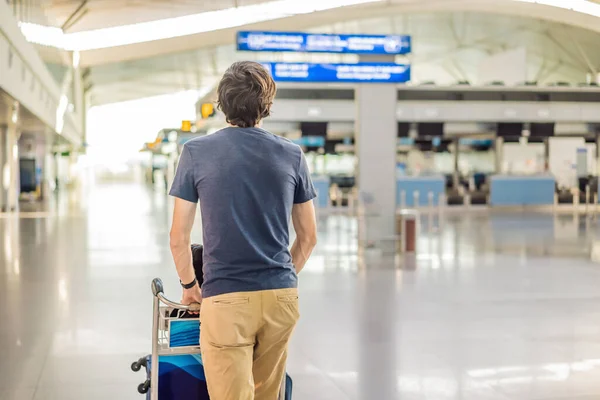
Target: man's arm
[[305, 225], [181, 229]]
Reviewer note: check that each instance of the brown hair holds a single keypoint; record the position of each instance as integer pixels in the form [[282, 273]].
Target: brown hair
[[245, 93]]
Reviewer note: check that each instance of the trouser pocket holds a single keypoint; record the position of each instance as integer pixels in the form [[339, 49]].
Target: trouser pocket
[[229, 320], [287, 301]]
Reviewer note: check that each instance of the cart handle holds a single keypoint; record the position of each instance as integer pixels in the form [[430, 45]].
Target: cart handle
[[158, 291]]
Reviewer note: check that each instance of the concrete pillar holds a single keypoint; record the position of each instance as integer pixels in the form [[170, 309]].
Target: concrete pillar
[[80, 99], [9, 168], [456, 174], [597, 171], [547, 154], [376, 131], [498, 149]]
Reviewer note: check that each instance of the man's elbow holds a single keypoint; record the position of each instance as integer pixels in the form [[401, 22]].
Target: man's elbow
[[178, 241], [309, 240]]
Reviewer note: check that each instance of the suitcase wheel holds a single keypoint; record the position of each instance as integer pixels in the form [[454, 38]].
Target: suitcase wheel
[[144, 387], [137, 365]]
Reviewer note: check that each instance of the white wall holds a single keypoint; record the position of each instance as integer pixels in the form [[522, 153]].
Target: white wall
[[525, 158], [563, 158]]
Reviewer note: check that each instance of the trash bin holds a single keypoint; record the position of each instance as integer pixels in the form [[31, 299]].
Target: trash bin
[[407, 229]]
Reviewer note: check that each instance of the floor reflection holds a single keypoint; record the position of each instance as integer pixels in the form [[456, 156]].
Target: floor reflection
[[493, 305]]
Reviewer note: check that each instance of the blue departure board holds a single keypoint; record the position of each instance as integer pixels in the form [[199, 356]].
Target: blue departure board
[[352, 73], [323, 43]]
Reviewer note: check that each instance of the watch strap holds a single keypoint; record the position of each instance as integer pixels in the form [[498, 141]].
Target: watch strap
[[189, 285]]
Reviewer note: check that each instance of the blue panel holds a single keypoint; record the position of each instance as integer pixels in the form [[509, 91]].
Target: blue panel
[[322, 187], [180, 377], [352, 73], [406, 141], [423, 185], [522, 190], [310, 141], [323, 43], [184, 333]]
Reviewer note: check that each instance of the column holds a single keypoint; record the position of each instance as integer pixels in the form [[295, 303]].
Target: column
[[376, 142], [455, 174], [498, 149], [9, 168], [547, 154], [596, 172], [78, 96], [597, 155]]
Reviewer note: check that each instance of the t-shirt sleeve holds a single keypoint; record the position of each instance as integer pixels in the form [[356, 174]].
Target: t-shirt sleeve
[[184, 184], [305, 190]]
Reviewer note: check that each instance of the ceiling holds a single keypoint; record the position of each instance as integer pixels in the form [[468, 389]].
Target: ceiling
[[450, 38], [447, 47], [82, 15]]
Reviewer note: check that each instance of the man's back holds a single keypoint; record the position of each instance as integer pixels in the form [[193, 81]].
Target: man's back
[[247, 181], [250, 183]]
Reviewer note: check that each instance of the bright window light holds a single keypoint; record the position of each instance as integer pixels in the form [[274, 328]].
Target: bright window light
[[180, 26], [114, 146]]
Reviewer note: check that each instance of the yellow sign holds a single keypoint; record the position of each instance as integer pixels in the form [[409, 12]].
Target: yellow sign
[[207, 110], [186, 126]]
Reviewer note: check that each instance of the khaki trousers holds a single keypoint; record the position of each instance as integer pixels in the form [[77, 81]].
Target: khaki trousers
[[244, 339]]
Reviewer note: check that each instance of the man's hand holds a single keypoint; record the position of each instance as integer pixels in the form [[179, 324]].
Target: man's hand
[[193, 295]]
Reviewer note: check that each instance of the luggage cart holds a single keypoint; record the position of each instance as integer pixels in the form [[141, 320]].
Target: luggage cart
[[167, 342]]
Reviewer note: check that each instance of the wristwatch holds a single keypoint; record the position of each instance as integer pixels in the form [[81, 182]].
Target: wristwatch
[[189, 285]]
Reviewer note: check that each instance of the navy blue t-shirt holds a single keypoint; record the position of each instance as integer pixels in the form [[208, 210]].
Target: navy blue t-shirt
[[247, 181]]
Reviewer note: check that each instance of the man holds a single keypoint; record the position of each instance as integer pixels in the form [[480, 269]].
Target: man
[[248, 182]]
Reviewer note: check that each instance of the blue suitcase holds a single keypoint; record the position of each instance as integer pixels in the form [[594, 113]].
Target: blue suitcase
[[182, 377], [180, 369]]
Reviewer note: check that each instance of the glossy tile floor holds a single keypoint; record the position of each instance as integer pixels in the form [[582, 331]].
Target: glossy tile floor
[[495, 306]]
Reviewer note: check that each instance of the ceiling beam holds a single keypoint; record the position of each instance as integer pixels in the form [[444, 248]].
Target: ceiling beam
[[75, 16]]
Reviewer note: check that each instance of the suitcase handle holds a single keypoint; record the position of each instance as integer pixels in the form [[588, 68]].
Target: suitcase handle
[[158, 291]]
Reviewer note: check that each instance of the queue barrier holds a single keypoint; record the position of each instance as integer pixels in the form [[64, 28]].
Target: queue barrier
[[420, 191]]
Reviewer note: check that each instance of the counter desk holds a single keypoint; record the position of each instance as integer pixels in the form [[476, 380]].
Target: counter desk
[[522, 190]]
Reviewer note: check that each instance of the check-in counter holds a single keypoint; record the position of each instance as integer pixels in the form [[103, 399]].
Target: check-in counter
[[417, 191], [526, 190], [322, 187]]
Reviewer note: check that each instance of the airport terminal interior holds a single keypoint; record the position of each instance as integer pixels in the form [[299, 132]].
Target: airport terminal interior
[[453, 145]]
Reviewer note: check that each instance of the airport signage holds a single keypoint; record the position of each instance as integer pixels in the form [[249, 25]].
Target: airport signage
[[323, 43], [352, 73]]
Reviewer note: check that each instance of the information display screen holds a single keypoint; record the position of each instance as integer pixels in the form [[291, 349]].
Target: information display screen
[[323, 43], [364, 72], [310, 141]]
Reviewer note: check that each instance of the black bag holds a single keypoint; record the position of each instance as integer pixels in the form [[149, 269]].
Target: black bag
[[197, 251]]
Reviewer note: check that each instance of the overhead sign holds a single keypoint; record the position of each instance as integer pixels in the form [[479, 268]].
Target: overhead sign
[[365, 72], [323, 43]]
